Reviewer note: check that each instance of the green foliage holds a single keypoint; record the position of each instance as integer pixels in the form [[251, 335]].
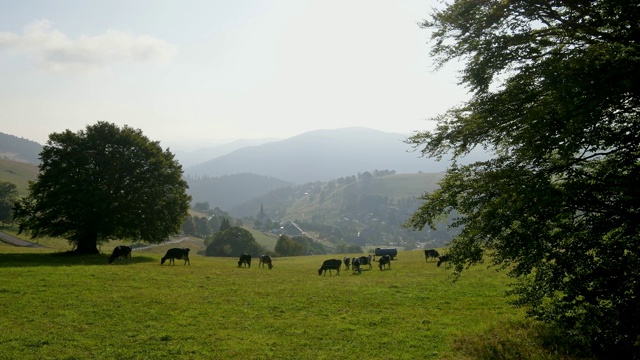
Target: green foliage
[[201, 206], [233, 242], [555, 95], [348, 249], [8, 195], [298, 245], [102, 183], [189, 226], [286, 246], [202, 226], [224, 224]]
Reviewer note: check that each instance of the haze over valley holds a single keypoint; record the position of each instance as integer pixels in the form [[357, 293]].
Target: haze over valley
[[322, 176]]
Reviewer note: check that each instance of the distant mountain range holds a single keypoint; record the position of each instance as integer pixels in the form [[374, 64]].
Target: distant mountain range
[[207, 152], [235, 173], [321, 155]]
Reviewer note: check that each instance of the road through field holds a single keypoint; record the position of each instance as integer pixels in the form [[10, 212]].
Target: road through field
[[10, 239]]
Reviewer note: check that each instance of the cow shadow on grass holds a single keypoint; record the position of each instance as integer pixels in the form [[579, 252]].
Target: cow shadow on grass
[[65, 259]]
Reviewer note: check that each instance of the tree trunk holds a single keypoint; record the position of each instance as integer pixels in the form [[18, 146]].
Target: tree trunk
[[88, 244]]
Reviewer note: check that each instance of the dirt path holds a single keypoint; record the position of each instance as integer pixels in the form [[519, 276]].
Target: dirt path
[[10, 239], [172, 241]]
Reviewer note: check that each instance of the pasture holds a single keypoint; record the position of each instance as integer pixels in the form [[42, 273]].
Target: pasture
[[67, 307]]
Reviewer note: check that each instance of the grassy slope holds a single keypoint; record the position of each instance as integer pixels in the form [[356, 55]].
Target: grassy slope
[[394, 187], [66, 307], [18, 173]]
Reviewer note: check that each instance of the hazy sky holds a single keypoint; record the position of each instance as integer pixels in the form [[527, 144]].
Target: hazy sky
[[213, 69]]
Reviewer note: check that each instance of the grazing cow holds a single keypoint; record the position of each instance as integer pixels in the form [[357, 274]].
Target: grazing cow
[[443, 258], [431, 253], [355, 266], [244, 259], [366, 260], [265, 259], [176, 253], [384, 260], [347, 262], [120, 252], [332, 264]]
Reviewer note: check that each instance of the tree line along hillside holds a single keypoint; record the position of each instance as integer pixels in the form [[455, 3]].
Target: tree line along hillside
[[365, 209]]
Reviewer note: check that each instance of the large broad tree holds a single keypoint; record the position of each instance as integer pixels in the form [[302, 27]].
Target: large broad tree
[[555, 101], [102, 183]]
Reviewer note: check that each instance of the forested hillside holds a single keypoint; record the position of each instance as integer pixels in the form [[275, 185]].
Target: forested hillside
[[364, 209]]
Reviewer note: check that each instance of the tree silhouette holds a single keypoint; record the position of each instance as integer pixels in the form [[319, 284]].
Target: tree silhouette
[[105, 182]]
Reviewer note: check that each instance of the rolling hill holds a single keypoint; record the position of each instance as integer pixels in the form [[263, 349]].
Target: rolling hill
[[230, 190], [19, 149], [19, 173], [364, 210]]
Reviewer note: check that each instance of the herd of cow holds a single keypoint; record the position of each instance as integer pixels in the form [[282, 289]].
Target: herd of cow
[[124, 252], [245, 259], [355, 263]]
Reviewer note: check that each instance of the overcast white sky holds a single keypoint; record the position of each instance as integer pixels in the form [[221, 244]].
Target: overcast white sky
[[218, 70]]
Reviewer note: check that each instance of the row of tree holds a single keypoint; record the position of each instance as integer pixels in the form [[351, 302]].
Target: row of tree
[[235, 241]]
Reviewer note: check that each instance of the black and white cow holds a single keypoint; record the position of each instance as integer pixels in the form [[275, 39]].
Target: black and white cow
[[366, 260], [265, 259], [431, 253], [332, 264], [120, 252], [245, 259], [384, 260], [355, 266], [176, 253], [443, 258], [347, 262]]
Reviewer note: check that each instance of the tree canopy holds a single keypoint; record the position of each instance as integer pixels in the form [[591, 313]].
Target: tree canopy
[[233, 241], [102, 183], [297, 246], [555, 101]]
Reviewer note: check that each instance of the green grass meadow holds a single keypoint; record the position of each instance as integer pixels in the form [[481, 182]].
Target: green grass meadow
[[57, 306]]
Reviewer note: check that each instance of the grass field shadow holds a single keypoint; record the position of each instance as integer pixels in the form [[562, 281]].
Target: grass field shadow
[[64, 259]]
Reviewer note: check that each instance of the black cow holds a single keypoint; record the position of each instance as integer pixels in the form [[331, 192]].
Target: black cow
[[355, 266], [265, 259], [120, 252], [384, 260], [443, 258], [366, 260], [176, 253], [332, 264], [244, 259], [347, 262], [430, 253]]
